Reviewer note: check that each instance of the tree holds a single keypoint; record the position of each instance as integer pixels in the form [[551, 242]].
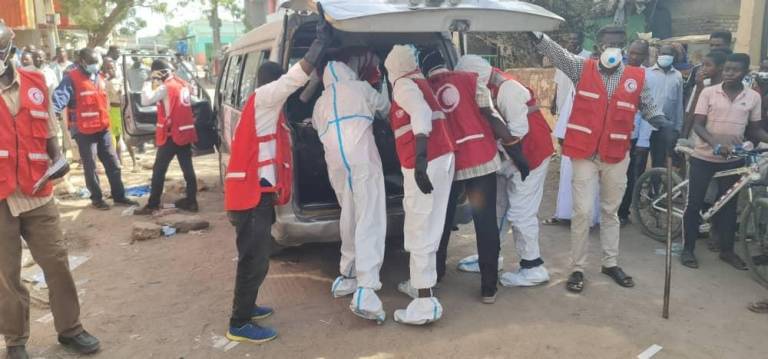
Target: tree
[[212, 9], [101, 17], [171, 34]]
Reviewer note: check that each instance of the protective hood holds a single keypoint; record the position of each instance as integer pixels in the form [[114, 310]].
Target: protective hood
[[336, 72], [475, 64], [401, 61]]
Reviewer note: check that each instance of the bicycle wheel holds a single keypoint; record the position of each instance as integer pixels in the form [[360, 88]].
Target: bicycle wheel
[[753, 235], [649, 203]]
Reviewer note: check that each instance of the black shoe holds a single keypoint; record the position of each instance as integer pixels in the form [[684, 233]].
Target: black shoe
[[145, 211], [83, 343], [186, 204], [125, 202], [618, 276], [689, 260], [489, 295], [734, 260], [575, 283], [623, 221], [100, 205], [17, 352]]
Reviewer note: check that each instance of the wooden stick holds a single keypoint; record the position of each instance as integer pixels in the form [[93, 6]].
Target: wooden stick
[[668, 274]]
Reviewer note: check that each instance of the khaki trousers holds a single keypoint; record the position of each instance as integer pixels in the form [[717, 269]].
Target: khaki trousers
[[40, 228], [612, 179]]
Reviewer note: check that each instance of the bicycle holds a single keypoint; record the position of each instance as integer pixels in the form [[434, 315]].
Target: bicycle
[[649, 207]]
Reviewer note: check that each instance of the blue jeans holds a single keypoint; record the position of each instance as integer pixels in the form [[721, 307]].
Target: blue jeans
[[102, 143]]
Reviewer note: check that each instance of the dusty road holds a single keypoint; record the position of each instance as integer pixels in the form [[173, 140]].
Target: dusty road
[[170, 298]]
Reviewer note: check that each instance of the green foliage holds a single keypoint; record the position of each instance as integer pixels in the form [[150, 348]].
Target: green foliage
[[101, 17]]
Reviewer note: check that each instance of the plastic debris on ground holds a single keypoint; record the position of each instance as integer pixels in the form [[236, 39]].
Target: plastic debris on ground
[[169, 231], [35, 274], [137, 191], [650, 352], [677, 248], [129, 211]]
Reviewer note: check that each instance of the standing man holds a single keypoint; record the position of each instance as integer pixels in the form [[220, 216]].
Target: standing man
[[718, 40], [475, 125], [725, 115], [666, 84], [24, 157], [174, 136], [83, 91], [259, 177], [562, 105], [597, 138], [115, 92], [343, 117], [425, 149], [136, 74], [61, 63], [638, 154], [519, 198]]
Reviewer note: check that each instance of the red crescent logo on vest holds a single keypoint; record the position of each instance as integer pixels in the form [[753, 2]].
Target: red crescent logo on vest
[[36, 95], [630, 85], [448, 97], [400, 113], [185, 97]]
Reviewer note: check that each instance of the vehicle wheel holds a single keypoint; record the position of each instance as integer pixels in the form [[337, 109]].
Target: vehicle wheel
[[651, 188], [753, 235]]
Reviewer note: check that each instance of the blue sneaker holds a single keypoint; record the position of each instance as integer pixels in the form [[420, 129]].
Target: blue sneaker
[[251, 333], [260, 312]]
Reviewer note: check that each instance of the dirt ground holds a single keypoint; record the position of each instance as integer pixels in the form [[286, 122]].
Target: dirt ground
[[170, 298]]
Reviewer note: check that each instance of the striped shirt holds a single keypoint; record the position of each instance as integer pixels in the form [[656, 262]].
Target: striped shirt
[[18, 202]]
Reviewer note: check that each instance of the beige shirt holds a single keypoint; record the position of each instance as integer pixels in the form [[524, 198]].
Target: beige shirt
[[726, 121], [18, 201]]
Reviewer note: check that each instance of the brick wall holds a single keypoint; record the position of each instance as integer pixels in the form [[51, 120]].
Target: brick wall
[[704, 24]]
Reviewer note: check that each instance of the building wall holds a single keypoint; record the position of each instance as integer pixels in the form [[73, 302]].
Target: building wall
[[691, 17]]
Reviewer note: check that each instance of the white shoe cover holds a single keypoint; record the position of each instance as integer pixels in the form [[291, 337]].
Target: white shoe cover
[[421, 311], [366, 304], [343, 286], [406, 288], [525, 277], [472, 265]]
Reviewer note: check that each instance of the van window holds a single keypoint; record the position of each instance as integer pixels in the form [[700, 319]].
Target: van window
[[248, 84], [233, 78]]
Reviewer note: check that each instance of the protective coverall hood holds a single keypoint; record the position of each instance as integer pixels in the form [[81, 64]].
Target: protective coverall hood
[[475, 64], [401, 61], [336, 72]]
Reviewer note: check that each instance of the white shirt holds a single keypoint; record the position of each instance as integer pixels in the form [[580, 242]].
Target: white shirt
[[150, 97], [270, 99], [512, 103], [409, 97]]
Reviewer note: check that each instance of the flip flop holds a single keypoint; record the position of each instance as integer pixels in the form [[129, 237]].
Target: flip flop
[[575, 283], [619, 276], [760, 307], [554, 221]]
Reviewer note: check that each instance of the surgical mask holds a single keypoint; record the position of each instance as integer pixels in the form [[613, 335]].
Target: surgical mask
[[665, 60], [93, 68], [762, 76], [611, 57]]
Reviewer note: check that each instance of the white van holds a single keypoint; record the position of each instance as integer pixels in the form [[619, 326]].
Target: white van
[[313, 213]]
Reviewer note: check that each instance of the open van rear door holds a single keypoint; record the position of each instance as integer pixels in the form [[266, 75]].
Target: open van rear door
[[432, 15]]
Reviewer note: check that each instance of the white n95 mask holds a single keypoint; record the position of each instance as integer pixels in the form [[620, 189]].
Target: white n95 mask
[[611, 57]]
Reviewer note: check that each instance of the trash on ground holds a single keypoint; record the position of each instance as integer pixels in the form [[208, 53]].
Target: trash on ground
[[650, 352], [677, 248], [168, 231], [129, 211], [35, 276], [184, 223], [137, 191]]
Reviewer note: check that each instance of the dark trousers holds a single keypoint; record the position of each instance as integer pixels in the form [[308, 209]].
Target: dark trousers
[[637, 163], [659, 150], [163, 158], [724, 221], [254, 244], [481, 192], [102, 143]]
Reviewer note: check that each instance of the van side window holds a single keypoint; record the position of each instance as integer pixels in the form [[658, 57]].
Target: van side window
[[248, 84], [231, 87]]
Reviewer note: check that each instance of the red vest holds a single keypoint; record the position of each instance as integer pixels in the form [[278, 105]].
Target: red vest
[[242, 185], [440, 140], [537, 143], [601, 125], [91, 102], [23, 139], [181, 118], [472, 134]]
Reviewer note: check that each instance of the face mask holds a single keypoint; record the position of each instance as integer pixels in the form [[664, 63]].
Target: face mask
[[93, 68], [762, 76], [665, 60], [611, 57]]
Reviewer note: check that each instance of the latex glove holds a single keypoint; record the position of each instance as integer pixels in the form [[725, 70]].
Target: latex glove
[[420, 171], [515, 153], [60, 173], [323, 39]]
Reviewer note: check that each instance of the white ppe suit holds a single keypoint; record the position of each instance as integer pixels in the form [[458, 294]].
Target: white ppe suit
[[343, 117], [518, 201], [424, 213]]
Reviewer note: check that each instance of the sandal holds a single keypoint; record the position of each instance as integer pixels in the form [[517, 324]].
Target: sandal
[[554, 221], [760, 307], [689, 260], [575, 283], [734, 260], [619, 276]]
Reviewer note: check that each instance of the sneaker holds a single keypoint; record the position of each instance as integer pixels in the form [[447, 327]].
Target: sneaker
[[525, 277], [17, 352], [187, 205], [145, 211], [125, 202], [343, 286], [100, 205], [406, 288], [251, 333], [83, 343], [261, 312], [489, 295]]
